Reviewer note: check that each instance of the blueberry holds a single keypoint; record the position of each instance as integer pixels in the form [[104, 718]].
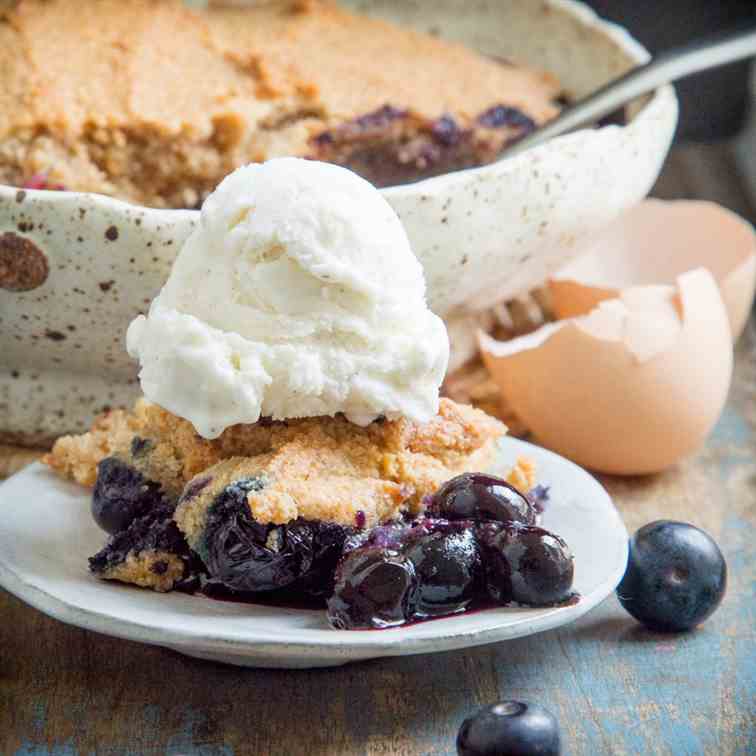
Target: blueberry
[[448, 569], [329, 543], [526, 564], [499, 116], [476, 496], [510, 728], [391, 535], [121, 494], [153, 531], [372, 589], [446, 131], [676, 576], [246, 555]]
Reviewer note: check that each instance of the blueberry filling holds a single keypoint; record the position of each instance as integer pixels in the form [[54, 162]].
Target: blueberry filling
[[476, 546], [140, 446], [194, 487], [500, 116], [154, 532], [374, 122], [122, 494], [318, 581], [456, 565], [395, 146], [446, 131], [246, 555]]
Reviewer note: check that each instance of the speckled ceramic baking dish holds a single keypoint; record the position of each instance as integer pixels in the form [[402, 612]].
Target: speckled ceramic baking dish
[[76, 268]]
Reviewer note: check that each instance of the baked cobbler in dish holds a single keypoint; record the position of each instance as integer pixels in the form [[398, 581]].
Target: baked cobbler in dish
[[154, 102]]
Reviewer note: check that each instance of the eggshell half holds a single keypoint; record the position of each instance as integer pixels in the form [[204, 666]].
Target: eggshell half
[[655, 242], [630, 388]]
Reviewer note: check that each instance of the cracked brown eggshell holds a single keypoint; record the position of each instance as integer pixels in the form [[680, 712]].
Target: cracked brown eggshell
[[630, 388], [655, 242]]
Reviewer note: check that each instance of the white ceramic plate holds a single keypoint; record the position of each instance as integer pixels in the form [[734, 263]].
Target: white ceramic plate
[[46, 535]]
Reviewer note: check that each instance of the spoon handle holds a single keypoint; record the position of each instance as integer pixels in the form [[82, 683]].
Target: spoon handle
[[666, 67]]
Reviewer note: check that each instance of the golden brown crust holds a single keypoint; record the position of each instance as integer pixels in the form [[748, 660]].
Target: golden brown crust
[[523, 475], [317, 468], [357, 477], [154, 102], [76, 457], [348, 482], [454, 433], [300, 480], [148, 569]]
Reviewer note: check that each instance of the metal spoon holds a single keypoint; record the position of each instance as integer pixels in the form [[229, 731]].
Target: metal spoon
[[665, 68]]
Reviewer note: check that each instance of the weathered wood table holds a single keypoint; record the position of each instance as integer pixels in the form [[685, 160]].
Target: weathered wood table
[[616, 688]]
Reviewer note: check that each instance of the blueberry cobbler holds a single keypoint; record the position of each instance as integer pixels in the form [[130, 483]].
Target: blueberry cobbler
[[381, 525], [292, 443], [154, 102]]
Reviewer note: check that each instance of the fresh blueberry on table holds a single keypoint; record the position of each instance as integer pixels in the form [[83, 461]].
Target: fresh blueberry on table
[[510, 728], [676, 576]]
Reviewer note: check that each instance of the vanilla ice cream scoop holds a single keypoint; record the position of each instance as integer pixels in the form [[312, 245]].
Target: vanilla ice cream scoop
[[297, 295]]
